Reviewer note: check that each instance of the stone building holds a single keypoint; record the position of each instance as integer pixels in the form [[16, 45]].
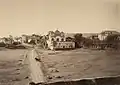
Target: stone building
[[104, 34], [57, 40]]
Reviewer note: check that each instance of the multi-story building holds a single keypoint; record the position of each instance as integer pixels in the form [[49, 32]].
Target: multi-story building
[[57, 40], [104, 34]]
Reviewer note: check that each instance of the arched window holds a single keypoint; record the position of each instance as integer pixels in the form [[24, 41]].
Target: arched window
[[62, 39], [52, 39], [57, 39]]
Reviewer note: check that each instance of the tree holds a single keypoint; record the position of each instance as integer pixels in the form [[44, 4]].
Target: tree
[[78, 36], [11, 38], [69, 39], [44, 41], [54, 43], [78, 39], [87, 42], [112, 40], [17, 38]]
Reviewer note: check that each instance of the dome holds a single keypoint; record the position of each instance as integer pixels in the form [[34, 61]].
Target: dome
[[57, 33]]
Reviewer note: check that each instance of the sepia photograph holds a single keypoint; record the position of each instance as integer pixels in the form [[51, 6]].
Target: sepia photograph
[[60, 42]]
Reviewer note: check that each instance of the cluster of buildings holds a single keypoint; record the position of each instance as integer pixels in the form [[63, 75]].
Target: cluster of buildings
[[104, 34], [57, 39], [9, 40]]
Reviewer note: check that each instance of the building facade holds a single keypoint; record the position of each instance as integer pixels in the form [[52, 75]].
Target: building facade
[[57, 40], [104, 34]]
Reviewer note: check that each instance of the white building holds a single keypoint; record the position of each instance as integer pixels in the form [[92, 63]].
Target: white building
[[57, 40], [104, 34]]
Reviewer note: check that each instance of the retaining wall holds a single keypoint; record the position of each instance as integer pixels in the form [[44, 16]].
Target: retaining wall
[[97, 81]]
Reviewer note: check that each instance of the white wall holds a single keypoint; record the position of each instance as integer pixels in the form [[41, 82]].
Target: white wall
[[65, 44]]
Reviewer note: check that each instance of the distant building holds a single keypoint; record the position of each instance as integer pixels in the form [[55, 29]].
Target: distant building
[[25, 38], [2, 40], [17, 39], [57, 40], [6, 40], [95, 36], [104, 34]]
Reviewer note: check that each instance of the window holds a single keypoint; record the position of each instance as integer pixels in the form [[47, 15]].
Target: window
[[70, 46], [59, 43], [52, 39], [58, 39], [62, 39]]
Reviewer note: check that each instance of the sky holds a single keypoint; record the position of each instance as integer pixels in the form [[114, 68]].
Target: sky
[[39, 16]]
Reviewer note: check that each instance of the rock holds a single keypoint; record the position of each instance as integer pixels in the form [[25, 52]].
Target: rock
[[52, 70], [32, 83], [17, 69], [19, 60], [26, 77], [58, 76], [49, 77], [56, 70], [65, 65], [37, 59]]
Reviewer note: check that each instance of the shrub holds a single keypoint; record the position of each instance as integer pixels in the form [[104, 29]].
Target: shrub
[[2, 44]]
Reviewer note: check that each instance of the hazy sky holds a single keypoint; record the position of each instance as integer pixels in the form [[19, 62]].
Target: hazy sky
[[38, 16]]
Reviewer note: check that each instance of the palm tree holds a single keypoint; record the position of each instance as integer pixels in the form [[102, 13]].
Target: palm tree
[[44, 41], [11, 39]]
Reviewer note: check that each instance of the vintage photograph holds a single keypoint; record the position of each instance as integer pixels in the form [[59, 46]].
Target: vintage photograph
[[60, 42]]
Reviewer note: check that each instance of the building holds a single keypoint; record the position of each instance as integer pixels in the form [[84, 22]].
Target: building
[[57, 40], [93, 37], [104, 34], [6, 40], [25, 38], [17, 39]]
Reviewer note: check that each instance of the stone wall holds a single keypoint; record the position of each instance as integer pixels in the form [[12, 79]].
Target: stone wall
[[97, 81]]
